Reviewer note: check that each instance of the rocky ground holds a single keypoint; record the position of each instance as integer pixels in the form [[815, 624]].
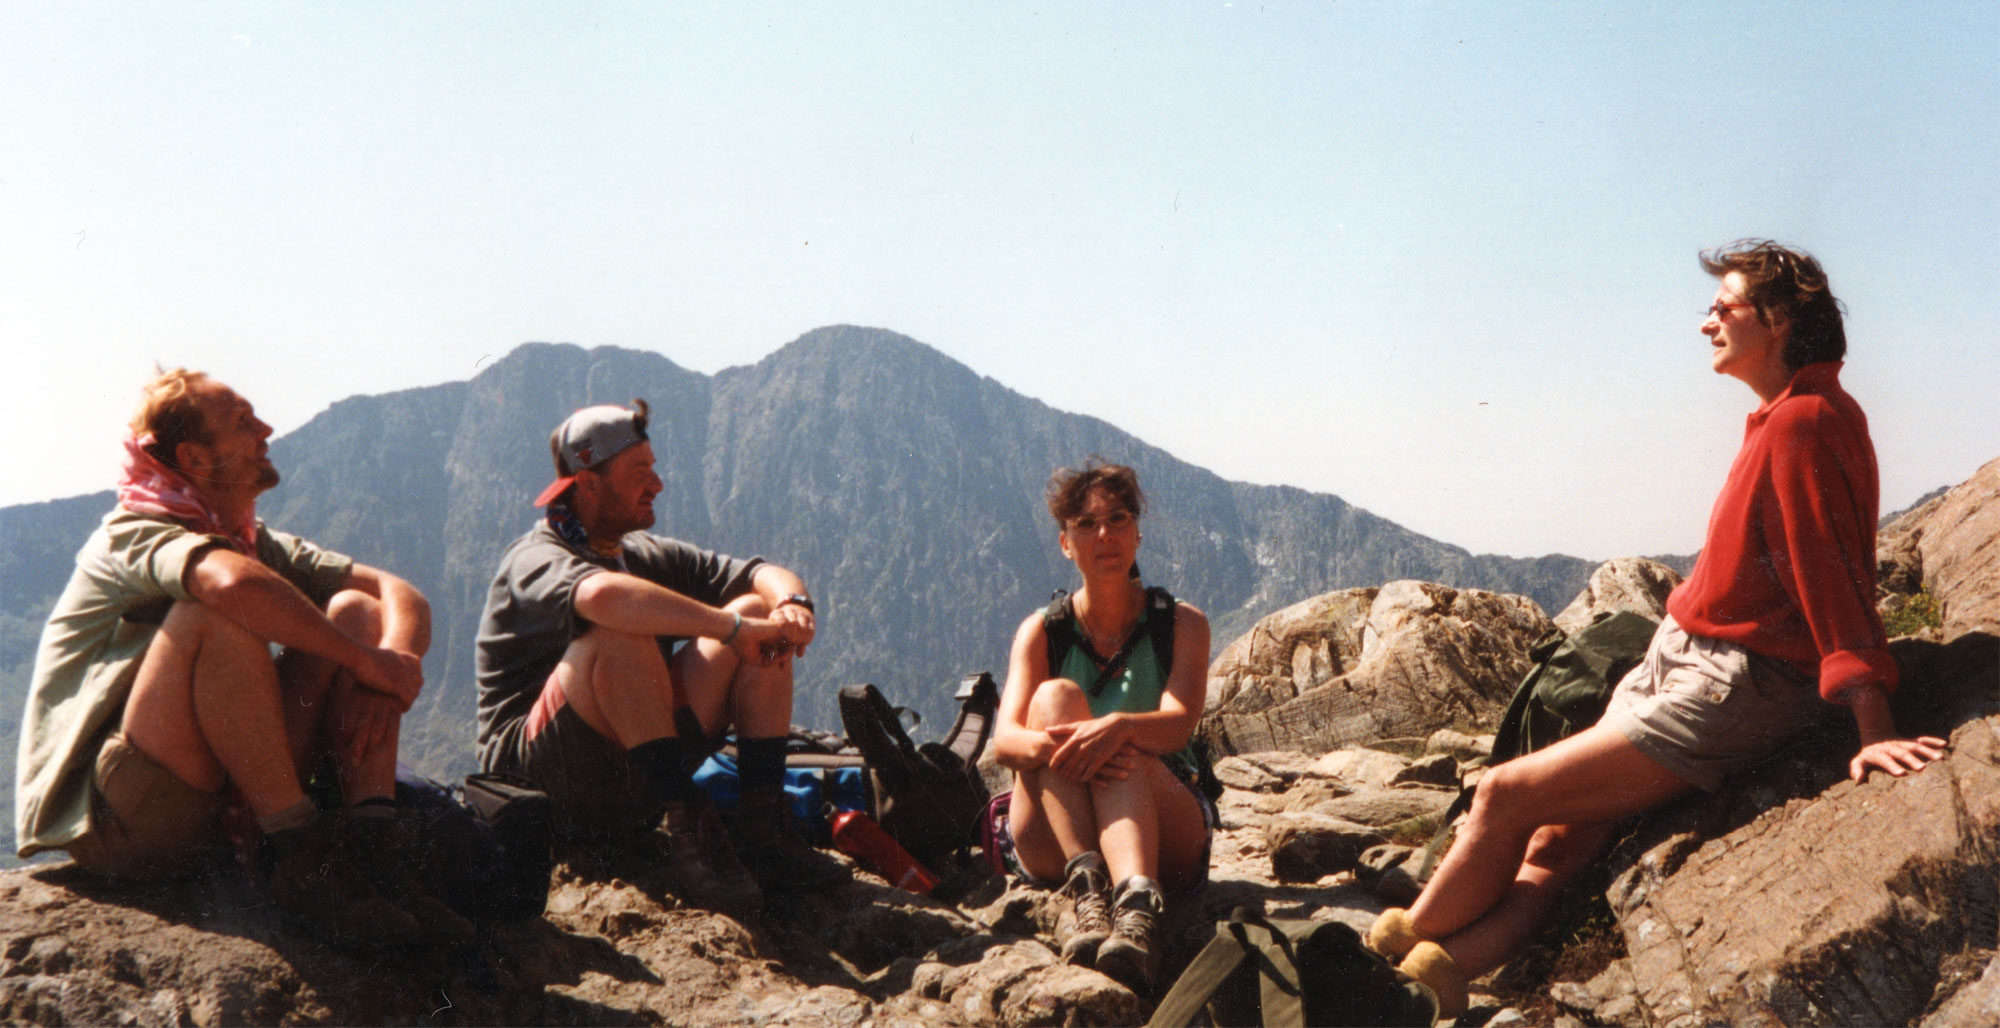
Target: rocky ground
[[1791, 897]]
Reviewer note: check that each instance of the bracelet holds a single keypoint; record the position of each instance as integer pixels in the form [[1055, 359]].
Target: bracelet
[[734, 628]]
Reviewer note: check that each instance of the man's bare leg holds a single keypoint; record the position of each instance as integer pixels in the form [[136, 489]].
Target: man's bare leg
[[1592, 778], [206, 707], [328, 713]]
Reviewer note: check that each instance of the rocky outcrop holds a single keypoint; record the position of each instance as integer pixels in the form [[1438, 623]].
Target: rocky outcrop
[[1363, 665], [1792, 896], [1795, 896], [1957, 542], [1632, 584]]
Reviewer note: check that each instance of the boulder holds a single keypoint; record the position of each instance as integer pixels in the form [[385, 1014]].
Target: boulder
[[1460, 746], [989, 980], [1958, 539], [1307, 845], [1899, 562], [1286, 653], [1366, 665], [1359, 766], [1976, 1004], [1633, 584], [1270, 771], [1438, 769]]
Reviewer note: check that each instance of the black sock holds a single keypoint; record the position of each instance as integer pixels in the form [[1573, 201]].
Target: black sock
[[373, 808], [761, 763], [662, 767]]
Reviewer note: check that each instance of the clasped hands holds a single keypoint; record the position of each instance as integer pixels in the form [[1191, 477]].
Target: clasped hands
[[1096, 751], [785, 634]]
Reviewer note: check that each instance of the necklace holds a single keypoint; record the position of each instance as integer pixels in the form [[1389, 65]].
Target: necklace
[[1106, 643]]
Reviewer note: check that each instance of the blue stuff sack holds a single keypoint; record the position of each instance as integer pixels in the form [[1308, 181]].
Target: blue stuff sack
[[809, 790]]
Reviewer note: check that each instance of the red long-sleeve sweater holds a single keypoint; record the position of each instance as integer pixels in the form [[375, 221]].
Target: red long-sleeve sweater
[[1788, 570]]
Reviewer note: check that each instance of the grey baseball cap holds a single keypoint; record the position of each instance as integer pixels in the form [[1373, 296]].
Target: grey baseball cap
[[590, 437]]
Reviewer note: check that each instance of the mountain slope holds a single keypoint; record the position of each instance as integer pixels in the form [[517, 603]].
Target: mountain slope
[[905, 488]]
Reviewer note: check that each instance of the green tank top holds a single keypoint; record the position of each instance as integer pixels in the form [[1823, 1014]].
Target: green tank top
[[1134, 688]]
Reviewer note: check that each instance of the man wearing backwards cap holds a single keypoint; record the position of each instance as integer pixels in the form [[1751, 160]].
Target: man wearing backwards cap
[[155, 695], [610, 659]]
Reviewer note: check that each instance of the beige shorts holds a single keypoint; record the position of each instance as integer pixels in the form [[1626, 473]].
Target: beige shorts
[[1704, 708], [144, 821]]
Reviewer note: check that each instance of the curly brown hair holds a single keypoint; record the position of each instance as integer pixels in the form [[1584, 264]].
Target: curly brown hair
[[1069, 489], [1782, 280]]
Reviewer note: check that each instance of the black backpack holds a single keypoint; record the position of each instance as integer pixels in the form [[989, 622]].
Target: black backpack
[[486, 848], [1258, 971], [928, 797]]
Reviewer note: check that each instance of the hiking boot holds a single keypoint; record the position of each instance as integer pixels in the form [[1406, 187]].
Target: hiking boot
[[1088, 887], [1127, 956], [701, 865], [394, 864], [775, 849], [318, 879]]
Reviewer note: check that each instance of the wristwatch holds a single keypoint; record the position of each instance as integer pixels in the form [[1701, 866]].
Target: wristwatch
[[798, 600]]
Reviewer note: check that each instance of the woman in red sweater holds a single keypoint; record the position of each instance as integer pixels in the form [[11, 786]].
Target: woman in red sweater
[[1777, 620]]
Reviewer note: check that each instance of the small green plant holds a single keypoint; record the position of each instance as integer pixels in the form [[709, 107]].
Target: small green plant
[[1917, 612]]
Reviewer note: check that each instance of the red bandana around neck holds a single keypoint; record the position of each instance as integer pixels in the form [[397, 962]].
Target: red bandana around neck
[[151, 488]]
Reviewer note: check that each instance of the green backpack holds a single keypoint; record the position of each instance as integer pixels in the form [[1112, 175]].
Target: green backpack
[[1258, 971], [1564, 693]]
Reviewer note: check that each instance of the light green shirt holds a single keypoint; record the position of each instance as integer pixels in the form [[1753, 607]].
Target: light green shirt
[[1135, 688], [128, 574]]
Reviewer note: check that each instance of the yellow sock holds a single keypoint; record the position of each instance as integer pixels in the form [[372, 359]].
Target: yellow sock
[[1431, 965], [1392, 934]]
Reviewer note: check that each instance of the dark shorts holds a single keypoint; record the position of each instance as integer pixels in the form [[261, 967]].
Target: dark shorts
[[593, 793], [146, 823], [997, 836]]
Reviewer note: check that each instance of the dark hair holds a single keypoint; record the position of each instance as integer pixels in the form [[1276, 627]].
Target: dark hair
[[1789, 282], [1069, 488]]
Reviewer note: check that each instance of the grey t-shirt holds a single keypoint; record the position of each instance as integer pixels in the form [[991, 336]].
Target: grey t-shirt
[[531, 617]]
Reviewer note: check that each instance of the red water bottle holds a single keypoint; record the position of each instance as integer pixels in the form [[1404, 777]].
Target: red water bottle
[[857, 835]]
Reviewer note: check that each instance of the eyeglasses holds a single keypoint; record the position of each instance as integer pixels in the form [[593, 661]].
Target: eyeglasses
[[1088, 524], [1717, 309]]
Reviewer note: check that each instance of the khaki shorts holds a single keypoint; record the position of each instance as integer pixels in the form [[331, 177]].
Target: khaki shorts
[[144, 821], [1704, 708]]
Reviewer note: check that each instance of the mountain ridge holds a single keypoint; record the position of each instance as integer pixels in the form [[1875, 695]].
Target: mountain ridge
[[905, 486]]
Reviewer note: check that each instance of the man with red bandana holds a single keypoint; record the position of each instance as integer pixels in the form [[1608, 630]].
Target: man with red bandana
[[156, 701]]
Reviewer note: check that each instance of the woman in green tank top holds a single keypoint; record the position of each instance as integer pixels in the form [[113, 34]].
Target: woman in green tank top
[[1102, 800]]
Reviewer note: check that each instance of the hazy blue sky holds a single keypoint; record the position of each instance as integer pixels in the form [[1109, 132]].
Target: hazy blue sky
[[1438, 259]]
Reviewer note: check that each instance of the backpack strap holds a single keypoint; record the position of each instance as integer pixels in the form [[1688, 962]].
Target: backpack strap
[[1160, 626], [1059, 628], [978, 698], [1205, 974]]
